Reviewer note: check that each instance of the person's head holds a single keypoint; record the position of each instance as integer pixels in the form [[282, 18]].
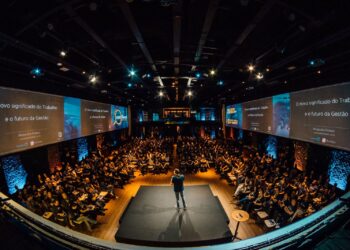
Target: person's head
[[176, 171]]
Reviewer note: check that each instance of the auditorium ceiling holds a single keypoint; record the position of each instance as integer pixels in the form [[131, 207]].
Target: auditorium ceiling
[[136, 49]]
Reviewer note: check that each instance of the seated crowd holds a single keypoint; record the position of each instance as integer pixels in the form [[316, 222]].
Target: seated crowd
[[195, 154], [273, 187], [77, 192]]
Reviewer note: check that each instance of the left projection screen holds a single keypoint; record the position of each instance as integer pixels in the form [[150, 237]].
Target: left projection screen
[[29, 119]]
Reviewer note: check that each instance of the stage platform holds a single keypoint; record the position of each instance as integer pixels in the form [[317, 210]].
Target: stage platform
[[152, 219]]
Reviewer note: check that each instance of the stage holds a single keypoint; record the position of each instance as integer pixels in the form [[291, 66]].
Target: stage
[[152, 219]]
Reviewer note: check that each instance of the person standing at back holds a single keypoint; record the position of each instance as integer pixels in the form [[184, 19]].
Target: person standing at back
[[178, 181]]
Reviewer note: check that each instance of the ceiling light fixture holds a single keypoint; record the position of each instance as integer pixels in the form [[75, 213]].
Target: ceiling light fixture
[[251, 67], [63, 53], [259, 76], [93, 79]]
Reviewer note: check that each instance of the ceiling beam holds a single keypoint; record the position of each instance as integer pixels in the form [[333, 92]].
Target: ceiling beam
[[71, 12], [209, 18], [10, 41], [177, 19], [247, 31], [44, 16], [138, 36]]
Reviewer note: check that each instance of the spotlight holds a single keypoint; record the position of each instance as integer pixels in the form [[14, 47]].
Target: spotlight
[[148, 75], [59, 64], [189, 93], [36, 71], [198, 75], [220, 83], [63, 53], [212, 72], [259, 76], [129, 85], [93, 78], [319, 72], [251, 68], [161, 94], [132, 72], [83, 72], [267, 69]]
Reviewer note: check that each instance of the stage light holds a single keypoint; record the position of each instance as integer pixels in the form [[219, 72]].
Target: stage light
[[319, 72], [259, 76], [148, 75], [251, 68], [132, 72], [93, 79], [36, 71], [129, 85], [220, 82], [212, 72], [312, 62], [63, 53], [59, 64], [83, 72], [161, 94], [189, 93], [198, 75], [267, 69]]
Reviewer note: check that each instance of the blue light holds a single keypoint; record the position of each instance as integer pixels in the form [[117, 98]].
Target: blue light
[[82, 148], [198, 75], [14, 172], [338, 169], [36, 71], [221, 83], [271, 146], [312, 62], [132, 73], [148, 75], [129, 85]]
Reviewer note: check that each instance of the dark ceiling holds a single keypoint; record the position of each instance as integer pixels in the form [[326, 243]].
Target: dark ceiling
[[167, 42]]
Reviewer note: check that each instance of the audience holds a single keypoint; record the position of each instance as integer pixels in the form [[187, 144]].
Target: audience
[[77, 192]]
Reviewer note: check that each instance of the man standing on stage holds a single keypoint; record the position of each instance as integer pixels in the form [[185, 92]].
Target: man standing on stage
[[178, 181]]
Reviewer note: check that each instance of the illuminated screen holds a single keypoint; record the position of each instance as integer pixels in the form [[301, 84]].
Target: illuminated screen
[[234, 115], [30, 119], [95, 117], [257, 115], [321, 115], [207, 114], [155, 117], [119, 117], [72, 119], [281, 114]]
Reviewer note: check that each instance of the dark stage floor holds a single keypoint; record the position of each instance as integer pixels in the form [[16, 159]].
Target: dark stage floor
[[152, 219]]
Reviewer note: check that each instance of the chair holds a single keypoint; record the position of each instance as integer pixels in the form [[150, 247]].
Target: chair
[[261, 216], [270, 224]]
